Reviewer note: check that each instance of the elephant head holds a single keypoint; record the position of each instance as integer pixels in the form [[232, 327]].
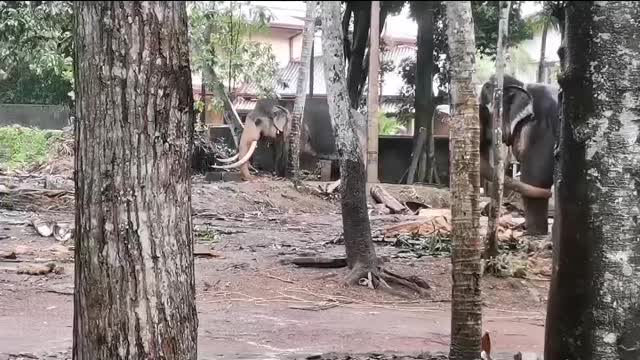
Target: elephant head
[[517, 106], [266, 119], [517, 109]]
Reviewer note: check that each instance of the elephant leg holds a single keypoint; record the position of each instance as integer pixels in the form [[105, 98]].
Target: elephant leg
[[536, 213]]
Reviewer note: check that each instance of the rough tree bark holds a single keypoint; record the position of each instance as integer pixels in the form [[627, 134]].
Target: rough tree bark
[[466, 310], [498, 148], [543, 49], [374, 94], [424, 84], [134, 271], [293, 161], [593, 310], [361, 254]]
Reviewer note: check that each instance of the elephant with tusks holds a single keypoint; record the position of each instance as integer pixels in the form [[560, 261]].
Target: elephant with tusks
[[270, 120], [530, 126]]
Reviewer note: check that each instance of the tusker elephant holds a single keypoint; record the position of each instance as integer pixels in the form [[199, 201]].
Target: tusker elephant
[[266, 119], [272, 121], [530, 125]]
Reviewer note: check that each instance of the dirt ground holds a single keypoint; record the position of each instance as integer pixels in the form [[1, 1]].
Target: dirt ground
[[252, 304]]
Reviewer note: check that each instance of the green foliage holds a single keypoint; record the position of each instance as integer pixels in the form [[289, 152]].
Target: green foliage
[[22, 147], [486, 16], [36, 51], [228, 49], [388, 125]]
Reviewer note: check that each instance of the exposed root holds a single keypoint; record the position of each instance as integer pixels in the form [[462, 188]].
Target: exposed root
[[382, 279]]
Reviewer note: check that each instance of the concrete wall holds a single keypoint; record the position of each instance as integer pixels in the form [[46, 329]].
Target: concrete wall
[[50, 117]]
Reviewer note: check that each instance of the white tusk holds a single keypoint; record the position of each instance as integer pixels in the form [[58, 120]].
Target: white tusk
[[228, 160], [246, 157]]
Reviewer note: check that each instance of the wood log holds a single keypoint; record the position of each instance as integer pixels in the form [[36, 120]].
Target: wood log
[[415, 157], [382, 196]]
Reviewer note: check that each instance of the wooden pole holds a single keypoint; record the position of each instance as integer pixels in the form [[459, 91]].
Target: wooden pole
[[374, 89]]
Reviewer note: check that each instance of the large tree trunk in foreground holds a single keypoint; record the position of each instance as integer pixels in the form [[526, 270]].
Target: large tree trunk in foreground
[[593, 310], [134, 271], [293, 161], [498, 148], [466, 310], [424, 84], [361, 254]]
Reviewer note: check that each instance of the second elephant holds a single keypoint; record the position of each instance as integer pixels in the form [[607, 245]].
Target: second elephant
[[530, 125]]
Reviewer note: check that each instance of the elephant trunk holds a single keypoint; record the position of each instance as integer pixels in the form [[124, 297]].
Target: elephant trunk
[[240, 162], [530, 191]]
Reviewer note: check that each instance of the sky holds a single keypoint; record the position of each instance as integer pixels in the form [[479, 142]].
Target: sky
[[398, 26]]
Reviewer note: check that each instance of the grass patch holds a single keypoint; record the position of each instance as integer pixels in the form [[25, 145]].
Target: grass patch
[[22, 147]]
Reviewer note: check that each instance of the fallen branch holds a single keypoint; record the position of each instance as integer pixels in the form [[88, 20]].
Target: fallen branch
[[382, 196], [318, 307], [277, 278]]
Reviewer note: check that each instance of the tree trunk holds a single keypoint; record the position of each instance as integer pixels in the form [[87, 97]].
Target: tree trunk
[[466, 310], [361, 255], [203, 93], [293, 161], [593, 310], [374, 91], [134, 270], [543, 50], [424, 85], [497, 155]]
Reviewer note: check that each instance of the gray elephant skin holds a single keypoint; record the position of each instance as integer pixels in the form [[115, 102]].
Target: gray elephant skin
[[530, 125]]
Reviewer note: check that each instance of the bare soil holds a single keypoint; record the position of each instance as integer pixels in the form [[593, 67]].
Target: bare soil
[[252, 304]]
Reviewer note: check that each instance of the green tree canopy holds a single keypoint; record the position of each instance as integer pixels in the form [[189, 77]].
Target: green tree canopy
[[36, 52], [229, 50]]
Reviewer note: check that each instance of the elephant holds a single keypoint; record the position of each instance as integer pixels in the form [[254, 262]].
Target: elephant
[[273, 121], [267, 119], [530, 126]]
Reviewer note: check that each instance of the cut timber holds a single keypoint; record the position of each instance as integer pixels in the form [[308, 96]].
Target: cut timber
[[417, 151], [382, 196], [325, 170]]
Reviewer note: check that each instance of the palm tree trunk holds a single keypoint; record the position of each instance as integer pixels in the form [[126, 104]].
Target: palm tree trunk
[[374, 92], [543, 50], [593, 310], [466, 303], [293, 161], [134, 268]]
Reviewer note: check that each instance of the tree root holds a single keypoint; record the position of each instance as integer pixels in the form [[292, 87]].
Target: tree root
[[380, 278]]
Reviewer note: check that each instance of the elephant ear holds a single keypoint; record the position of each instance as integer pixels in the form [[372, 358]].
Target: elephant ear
[[518, 106], [280, 117]]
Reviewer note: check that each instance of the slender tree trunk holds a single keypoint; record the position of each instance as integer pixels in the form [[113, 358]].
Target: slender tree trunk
[[593, 310], [466, 304], [203, 92], [498, 153], [134, 271], [361, 254], [293, 161], [543, 50], [424, 84], [374, 91]]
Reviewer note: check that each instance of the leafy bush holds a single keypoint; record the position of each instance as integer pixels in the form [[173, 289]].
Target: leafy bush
[[22, 147]]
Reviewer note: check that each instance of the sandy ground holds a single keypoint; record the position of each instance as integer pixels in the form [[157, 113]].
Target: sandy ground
[[251, 305]]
